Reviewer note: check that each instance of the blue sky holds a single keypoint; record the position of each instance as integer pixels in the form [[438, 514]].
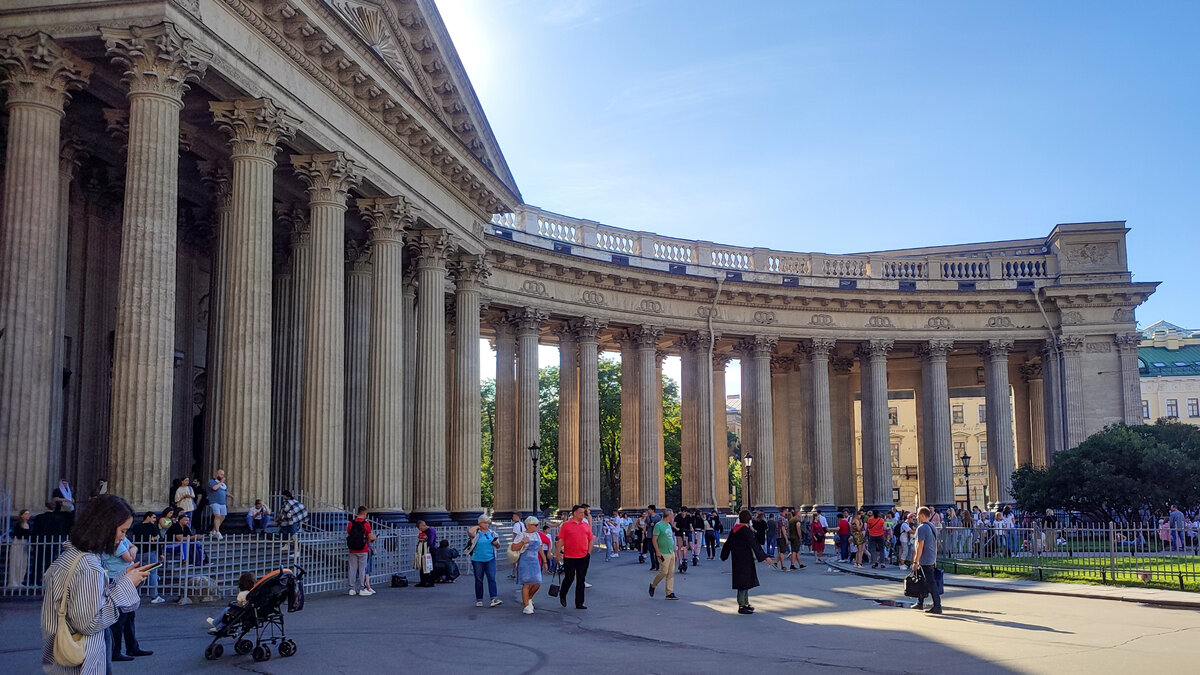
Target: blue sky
[[849, 126]]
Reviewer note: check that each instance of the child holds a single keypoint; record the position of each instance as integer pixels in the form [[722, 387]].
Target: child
[[245, 583]]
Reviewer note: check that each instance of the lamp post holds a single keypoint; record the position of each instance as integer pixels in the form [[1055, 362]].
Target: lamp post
[[966, 465], [535, 456], [747, 460]]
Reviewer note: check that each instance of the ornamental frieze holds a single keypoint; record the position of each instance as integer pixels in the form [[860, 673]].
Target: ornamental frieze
[[999, 322], [764, 318], [1098, 347], [593, 298], [821, 320], [652, 306], [939, 323], [1072, 318], [879, 322], [534, 287]]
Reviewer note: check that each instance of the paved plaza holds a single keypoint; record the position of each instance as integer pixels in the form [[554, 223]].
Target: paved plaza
[[808, 621]]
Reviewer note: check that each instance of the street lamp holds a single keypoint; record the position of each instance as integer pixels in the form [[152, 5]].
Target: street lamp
[[748, 459], [966, 465], [535, 456]]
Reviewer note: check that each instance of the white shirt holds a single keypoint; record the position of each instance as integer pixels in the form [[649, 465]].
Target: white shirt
[[518, 529], [824, 523]]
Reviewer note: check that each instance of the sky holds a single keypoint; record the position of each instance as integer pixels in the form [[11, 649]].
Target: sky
[[853, 126]]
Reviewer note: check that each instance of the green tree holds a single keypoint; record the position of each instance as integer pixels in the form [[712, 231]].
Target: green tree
[[487, 423], [548, 407], [672, 444]]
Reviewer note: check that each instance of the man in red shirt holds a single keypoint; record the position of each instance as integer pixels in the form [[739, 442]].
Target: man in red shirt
[[358, 542], [843, 534], [875, 526], [573, 549]]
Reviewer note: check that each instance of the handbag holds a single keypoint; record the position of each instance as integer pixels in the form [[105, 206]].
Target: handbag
[[514, 556], [428, 563], [469, 549], [70, 649], [914, 584], [554, 587]]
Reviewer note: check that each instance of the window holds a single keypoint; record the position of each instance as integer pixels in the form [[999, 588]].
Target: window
[[983, 413], [895, 453], [959, 448], [956, 414], [1194, 407], [1172, 407], [893, 417], [982, 453], [1145, 409]]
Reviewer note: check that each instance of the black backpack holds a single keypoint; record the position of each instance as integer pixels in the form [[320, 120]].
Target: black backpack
[[357, 539]]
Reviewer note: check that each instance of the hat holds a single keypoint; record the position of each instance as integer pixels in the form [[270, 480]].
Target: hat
[[532, 520]]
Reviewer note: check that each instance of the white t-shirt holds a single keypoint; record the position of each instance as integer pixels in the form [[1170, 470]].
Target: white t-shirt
[[518, 529], [905, 529], [824, 523]]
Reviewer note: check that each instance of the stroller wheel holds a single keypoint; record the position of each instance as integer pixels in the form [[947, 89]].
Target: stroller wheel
[[262, 653], [287, 648], [213, 651], [243, 646]]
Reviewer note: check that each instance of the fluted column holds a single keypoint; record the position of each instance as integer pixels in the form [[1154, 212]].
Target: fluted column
[[504, 456], [465, 451], [409, 387], [1052, 397], [282, 338], [799, 422], [329, 177], [37, 74], [1031, 372], [358, 349], [1131, 381], [781, 368], [707, 468], [1072, 385], [245, 245], [1001, 450], [72, 154], [757, 425], [720, 431], [528, 322], [842, 424], [822, 426], [217, 177], [587, 334], [877, 455], [939, 460], [568, 417], [158, 62], [630, 405], [292, 358], [429, 443], [649, 430], [689, 476]]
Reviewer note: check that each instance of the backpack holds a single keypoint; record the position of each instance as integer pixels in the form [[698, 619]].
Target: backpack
[[896, 530], [356, 540]]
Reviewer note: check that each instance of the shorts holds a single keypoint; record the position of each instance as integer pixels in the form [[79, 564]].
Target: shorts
[[219, 509], [784, 547], [795, 544]]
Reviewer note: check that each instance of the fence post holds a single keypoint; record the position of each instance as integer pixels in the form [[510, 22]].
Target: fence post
[[1112, 549]]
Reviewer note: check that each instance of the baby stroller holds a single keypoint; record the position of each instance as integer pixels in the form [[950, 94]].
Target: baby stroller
[[263, 615]]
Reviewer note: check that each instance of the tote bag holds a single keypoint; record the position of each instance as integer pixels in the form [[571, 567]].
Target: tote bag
[[69, 649]]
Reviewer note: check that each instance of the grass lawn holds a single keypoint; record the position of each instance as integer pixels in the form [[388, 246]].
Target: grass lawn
[[1161, 571]]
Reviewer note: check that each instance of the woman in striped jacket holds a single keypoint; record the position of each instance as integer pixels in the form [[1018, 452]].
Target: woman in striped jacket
[[93, 600]]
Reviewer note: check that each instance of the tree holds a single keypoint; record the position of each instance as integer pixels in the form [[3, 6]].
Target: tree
[[487, 395]]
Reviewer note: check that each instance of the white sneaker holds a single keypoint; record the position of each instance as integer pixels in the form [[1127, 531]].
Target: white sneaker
[[353, 592], [495, 602], [369, 591], [479, 603], [528, 609], [586, 585], [209, 621], [158, 600]]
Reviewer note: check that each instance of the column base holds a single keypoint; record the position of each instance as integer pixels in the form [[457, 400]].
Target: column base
[[468, 518], [396, 517], [431, 518]]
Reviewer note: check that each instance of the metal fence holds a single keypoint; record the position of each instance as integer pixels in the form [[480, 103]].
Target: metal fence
[[1111, 554]]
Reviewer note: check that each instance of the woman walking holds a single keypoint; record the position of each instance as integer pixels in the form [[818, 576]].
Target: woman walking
[[530, 564], [18, 550], [483, 547], [858, 537], [92, 603], [783, 548], [742, 546], [816, 530]]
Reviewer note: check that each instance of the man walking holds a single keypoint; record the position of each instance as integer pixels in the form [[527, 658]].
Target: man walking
[[572, 551], [843, 537], [217, 494], [358, 543], [926, 557], [1176, 522], [648, 521], [291, 516], [663, 542]]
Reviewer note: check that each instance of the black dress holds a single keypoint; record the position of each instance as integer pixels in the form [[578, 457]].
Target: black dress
[[745, 551]]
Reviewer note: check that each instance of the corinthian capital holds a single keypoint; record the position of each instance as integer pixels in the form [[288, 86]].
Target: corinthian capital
[[470, 270], [841, 365], [329, 176], [935, 349], [157, 59], [254, 127], [587, 329], [433, 247], [646, 337], [216, 176], [700, 341], [1071, 345], [36, 71], [388, 217], [527, 319], [756, 345], [996, 350], [1031, 370]]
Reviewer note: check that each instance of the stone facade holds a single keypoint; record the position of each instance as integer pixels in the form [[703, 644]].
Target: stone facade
[[199, 271]]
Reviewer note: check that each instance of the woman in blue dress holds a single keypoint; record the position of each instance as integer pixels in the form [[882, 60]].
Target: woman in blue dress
[[529, 566]]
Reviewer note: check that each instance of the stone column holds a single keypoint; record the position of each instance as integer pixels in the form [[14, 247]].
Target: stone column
[[842, 424], [528, 322], [358, 350], [689, 476], [296, 220], [781, 369], [1031, 372], [465, 452], [1052, 396], [1001, 449], [1072, 385], [329, 177], [822, 426], [799, 421], [877, 454], [757, 425], [158, 62], [409, 386], [707, 468], [720, 431], [429, 443], [649, 429], [216, 176], [568, 417], [37, 74], [244, 265], [1131, 380], [939, 448], [630, 404], [587, 334], [281, 347], [505, 435]]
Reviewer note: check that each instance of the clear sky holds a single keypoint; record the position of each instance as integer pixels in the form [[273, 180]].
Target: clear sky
[[848, 126]]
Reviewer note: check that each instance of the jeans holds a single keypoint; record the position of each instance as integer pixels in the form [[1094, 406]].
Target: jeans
[[610, 545], [743, 598], [665, 572], [875, 547], [358, 571], [844, 547], [124, 627], [927, 571], [572, 568], [770, 548], [1177, 540], [151, 581], [484, 569], [710, 543]]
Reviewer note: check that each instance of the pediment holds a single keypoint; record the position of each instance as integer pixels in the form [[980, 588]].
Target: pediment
[[410, 39]]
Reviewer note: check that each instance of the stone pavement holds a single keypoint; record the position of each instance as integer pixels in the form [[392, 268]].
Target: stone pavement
[[816, 620]]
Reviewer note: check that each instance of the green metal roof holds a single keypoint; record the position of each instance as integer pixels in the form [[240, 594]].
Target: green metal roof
[[1161, 362]]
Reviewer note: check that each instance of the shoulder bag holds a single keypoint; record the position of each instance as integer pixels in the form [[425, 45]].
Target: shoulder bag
[[514, 556], [554, 587], [70, 649]]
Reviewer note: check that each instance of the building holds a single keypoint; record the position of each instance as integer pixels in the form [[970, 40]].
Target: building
[[267, 236], [1169, 364]]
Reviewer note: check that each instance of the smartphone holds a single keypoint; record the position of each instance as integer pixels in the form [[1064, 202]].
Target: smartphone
[[153, 567]]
